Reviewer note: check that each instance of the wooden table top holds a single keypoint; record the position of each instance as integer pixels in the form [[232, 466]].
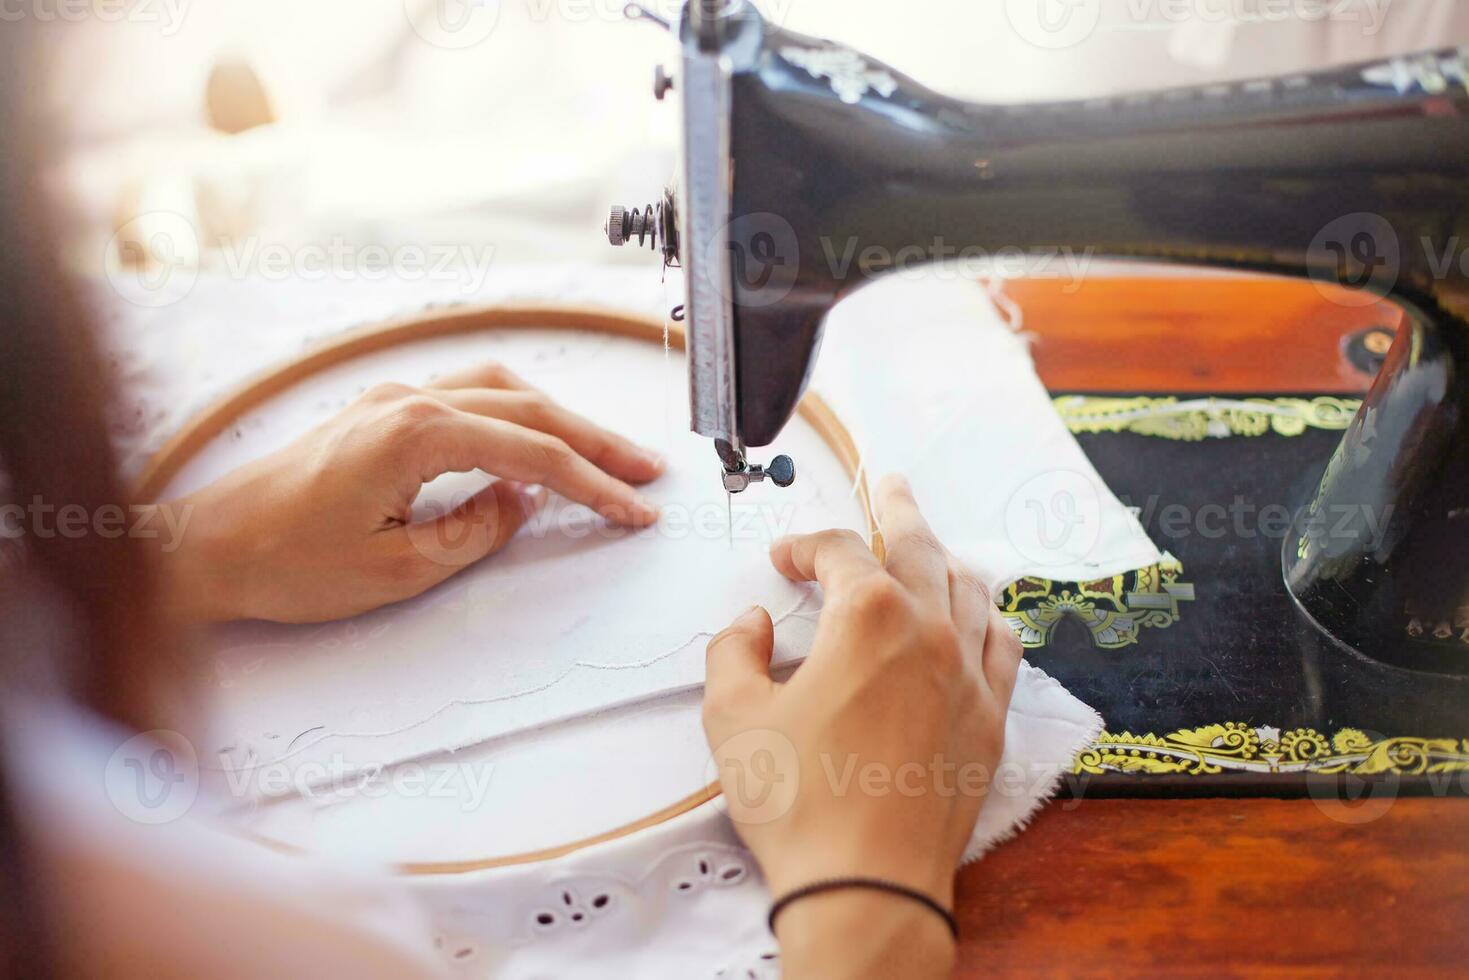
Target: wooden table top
[[1223, 888], [1216, 887]]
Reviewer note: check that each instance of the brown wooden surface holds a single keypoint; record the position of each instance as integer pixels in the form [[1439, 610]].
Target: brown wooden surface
[[1222, 888], [1214, 887], [1210, 336]]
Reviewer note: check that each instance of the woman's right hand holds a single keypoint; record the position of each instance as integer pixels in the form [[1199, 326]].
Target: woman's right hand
[[873, 759]]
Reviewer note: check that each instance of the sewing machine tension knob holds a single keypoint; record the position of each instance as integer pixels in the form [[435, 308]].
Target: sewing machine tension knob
[[655, 226], [619, 225], [625, 224]]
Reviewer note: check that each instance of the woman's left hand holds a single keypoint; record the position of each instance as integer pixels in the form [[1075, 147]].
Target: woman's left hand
[[322, 529]]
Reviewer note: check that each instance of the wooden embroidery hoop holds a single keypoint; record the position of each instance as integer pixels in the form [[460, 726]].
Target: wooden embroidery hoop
[[205, 427]]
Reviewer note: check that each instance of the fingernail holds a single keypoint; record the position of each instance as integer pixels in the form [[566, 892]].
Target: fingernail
[[656, 461], [754, 612]]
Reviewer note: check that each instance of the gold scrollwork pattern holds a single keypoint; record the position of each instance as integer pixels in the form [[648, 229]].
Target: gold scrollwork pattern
[[1114, 609], [1196, 419], [1241, 748]]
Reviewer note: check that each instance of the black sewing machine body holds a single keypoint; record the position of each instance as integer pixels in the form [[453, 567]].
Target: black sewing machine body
[[811, 169]]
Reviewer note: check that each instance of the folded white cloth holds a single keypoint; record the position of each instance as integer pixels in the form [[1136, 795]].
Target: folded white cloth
[[933, 385]]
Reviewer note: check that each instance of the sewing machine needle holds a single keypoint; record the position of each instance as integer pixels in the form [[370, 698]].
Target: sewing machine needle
[[729, 518]]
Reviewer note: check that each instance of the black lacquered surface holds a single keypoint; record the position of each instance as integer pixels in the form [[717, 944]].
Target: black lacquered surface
[[1358, 175], [1241, 651]]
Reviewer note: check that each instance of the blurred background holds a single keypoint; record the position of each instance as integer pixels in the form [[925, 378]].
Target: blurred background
[[511, 125]]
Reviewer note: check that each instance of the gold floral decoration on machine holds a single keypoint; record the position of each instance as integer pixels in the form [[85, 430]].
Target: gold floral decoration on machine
[[1241, 748], [1196, 419], [1114, 609]]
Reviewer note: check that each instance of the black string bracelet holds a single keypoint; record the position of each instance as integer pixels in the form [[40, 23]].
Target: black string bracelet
[[874, 884]]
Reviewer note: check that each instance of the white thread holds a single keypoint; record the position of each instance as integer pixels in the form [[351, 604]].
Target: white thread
[[528, 692]]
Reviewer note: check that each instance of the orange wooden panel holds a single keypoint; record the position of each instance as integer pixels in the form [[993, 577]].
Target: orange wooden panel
[[1213, 336], [1222, 888]]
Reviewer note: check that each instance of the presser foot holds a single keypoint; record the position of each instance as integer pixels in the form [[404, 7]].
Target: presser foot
[[781, 472]]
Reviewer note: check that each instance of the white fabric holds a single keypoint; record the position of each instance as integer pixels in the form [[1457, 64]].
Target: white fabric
[[965, 387], [683, 899], [932, 386], [574, 616], [688, 901]]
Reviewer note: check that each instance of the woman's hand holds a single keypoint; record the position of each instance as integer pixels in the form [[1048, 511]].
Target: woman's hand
[[321, 529], [872, 760]]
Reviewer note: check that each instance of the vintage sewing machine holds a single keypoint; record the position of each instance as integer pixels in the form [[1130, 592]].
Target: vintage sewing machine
[[796, 148]]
